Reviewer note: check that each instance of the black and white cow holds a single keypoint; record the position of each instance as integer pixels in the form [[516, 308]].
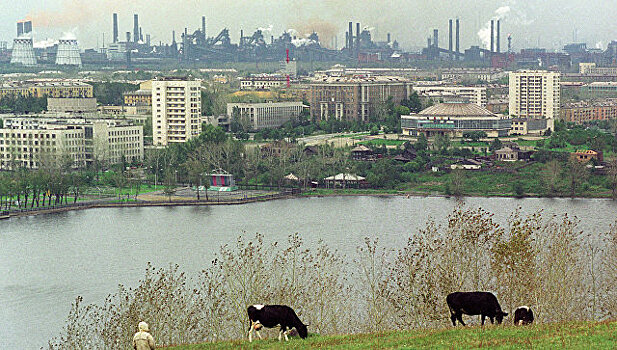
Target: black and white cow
[[523, 316], [474, 303], [271, 316]]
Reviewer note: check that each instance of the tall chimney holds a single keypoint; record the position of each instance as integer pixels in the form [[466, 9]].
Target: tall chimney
[[347, 40], [457, 37], [428, 42], [203, 25], [498, 38], [20, 29], [173, 36], [148, 40], [241, 36], [492, 35], [115, 29], [436, 38], [357, 36], [388, 37], [350, 45], [135, 28], [450, 36], [141, 35], [128, 37]]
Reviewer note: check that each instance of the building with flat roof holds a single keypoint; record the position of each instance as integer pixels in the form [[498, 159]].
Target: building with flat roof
[[488, 75], [535, 94], [33, 142], [72, 105], [176, 110], [263, 82], [586, 111], [265, 115], [354, 98], [57, 88], [471, 94], [454, 119]]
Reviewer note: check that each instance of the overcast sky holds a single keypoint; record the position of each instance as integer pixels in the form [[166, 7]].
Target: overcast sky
[[549, 23]]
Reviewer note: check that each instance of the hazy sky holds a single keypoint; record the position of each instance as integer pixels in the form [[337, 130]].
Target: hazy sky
[[551, 23]]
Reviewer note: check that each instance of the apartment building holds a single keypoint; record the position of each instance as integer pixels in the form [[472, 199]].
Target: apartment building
[[57, 88], [585, 111], [265, 115], [535, 94], [176, 110], [31, 142], [469, 94], [354, 97]]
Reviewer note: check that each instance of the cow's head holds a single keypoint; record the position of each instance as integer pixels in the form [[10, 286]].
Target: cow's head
[[302, 331], [500, 315]]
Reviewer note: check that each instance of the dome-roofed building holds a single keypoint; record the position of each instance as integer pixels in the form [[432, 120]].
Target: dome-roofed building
[[455, 119]]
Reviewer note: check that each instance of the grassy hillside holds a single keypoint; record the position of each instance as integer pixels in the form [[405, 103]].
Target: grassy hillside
[[580, 335]]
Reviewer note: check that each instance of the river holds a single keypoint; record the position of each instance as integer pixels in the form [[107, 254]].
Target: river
[[47, 261]]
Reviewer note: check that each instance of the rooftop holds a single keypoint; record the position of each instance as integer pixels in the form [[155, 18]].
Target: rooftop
[[457, 109]]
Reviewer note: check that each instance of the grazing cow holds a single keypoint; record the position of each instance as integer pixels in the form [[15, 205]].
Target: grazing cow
[[474, 303], [523, 316], [271, 316]]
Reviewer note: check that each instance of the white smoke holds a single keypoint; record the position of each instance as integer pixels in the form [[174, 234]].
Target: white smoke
[[302, 42], [292, 32], [267, 29], [485, 32], [600, 45], [43, 44], [69, 36]]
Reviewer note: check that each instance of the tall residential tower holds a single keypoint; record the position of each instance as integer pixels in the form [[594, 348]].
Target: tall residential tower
[[176, 110], [535, 94]]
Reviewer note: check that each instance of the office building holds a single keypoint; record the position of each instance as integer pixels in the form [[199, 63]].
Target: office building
[[265, 115]]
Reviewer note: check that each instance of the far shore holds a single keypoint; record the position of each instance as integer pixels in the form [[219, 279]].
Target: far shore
[[176, 202]]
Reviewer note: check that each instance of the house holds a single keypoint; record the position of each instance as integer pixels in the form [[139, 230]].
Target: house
[[276, 149], [587, 156], [406, 157], [362, 153], [512, 153]]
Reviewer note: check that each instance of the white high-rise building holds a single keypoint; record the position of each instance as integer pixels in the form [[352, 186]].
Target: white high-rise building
[[535, 94], [176, 110]]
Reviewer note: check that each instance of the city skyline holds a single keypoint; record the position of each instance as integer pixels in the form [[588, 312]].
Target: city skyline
[[534, 23]]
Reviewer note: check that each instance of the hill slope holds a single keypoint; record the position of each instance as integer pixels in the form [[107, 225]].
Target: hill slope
[[579, 335]]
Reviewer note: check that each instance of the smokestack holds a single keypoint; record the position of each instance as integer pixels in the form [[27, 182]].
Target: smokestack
[[436, 38], [203, 25], [271, 39], [20, 29], [135, 28], [388, 37], [492, 35], [509, 43], [350, 44], [357, 36], [450, 36], [428, 42], [347, 40], [173, 36], [241, 36], [141, 35], [27, 27], [498, 49], [148, 40], [457, 37], [128, 37], [115, 29]]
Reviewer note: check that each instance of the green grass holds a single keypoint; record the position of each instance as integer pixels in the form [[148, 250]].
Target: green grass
[[379, 142], [576, 335]]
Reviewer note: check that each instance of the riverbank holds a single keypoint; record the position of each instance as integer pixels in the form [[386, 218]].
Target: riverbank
[[573, 335]]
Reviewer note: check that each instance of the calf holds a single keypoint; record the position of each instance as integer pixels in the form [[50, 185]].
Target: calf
[[271, 316], [523, 316], [474, 303]]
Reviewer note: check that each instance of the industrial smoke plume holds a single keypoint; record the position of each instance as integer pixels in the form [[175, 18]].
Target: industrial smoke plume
[[485, 33]]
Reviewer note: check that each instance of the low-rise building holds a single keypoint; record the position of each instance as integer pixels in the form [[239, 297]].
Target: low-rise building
[[585, 111], [58, 88], [263, 82], [265, 115], [454, 119], [528, 126], [470, 94], [587, 156], [473, 74]]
